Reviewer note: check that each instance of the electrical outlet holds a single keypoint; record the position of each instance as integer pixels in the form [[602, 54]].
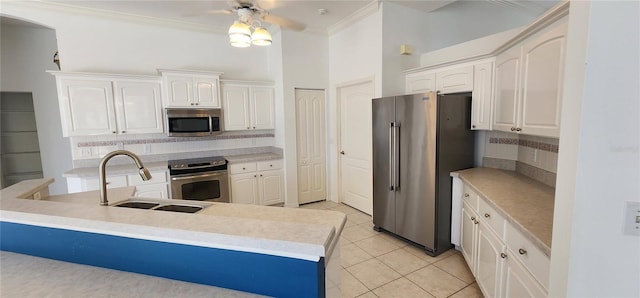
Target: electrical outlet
[[147, 148], [120, 146], [86, 152], [535, 155], [632, 219]]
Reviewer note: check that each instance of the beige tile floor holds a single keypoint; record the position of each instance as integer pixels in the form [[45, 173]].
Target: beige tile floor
[[380, 265]]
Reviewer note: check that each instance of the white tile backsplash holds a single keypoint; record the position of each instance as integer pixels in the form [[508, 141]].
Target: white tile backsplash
[[539, 158]]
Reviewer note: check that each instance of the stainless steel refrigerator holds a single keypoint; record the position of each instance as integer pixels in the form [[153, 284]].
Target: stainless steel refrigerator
[[417, 141]]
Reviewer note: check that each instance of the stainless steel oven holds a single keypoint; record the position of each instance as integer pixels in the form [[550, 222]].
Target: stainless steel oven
[[200, 179]]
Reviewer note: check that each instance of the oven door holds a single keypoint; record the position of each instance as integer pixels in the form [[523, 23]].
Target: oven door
[[207, 186]]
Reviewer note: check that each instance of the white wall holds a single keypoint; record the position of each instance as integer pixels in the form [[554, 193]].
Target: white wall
[[94, 43], [401, 25], [462, 21], [355, 53], [305, 64], [599, 162], [26, 53]]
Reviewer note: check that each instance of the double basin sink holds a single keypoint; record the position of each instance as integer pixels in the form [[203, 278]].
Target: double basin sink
[[162, 205]]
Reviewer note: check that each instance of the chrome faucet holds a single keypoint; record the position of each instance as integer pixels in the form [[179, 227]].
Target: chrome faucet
[[144, 173]]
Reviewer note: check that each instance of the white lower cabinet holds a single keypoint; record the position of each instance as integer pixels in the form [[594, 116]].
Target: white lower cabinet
[[257, 182], [157, 187], [490, 250], [504, 262]]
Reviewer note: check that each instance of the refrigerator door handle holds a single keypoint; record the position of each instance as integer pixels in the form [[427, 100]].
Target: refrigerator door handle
[[396, 159], [391, 155]]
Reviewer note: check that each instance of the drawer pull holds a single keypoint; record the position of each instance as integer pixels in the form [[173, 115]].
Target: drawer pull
[[522, 251], [473, 218], [271, 166], [466, 195], [476, 222], [503, 255], [244, 168], [487, 215]]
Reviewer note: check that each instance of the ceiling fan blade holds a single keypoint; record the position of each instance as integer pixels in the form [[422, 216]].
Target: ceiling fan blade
[[208, 12], [284, 23]]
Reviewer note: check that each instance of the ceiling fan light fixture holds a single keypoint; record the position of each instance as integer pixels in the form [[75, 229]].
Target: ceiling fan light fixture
[[261, 37], [240, 34]]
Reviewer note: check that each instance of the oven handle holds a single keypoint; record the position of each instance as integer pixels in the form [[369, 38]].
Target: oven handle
[[199, 176], [200, 167]]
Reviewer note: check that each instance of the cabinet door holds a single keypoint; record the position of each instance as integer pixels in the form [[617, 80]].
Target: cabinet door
[[179, 91], [506, 90], [482, 96], [87, 107], [518, 282], [468, 235], [112, 182], [156, 191], [262, 108], [489, 261], [205, 93], [236, 107], [271, 187], [542, 74], [138, 107], [420, 82], [244, 188], [455, 80]]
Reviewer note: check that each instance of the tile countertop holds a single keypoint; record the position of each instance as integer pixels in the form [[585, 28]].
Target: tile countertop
[[524, 202], [28, 276], [130, 168], [288, 232]]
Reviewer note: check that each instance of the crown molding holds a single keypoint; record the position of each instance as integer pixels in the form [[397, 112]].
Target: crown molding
[[121, 16], [360, 14]]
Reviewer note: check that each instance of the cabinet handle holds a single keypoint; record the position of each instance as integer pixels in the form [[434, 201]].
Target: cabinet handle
[[254, 176], [503, 255], [342, 152], [513, 129], [271, 166], [522, 251], [254, 127], [113, 131], [473, 126], [197, 103], [518, 129], [473, 218], [476, 222], [260, 175], [466, 195], [487, 215], [244, 168], [248, 127], [123, 131], [191, 103]]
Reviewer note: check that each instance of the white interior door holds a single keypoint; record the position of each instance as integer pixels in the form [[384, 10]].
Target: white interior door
[[310, 121], [356, 175]]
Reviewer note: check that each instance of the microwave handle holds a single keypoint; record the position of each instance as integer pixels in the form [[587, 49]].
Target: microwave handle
[[210, 125]]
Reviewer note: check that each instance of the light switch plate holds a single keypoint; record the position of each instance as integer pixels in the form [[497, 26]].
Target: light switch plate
[[632, 219]]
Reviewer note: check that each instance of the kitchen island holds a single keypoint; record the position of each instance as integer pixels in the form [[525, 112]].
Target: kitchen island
[[264, 250]]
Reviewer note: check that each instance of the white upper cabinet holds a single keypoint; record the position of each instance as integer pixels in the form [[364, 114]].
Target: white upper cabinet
[[482, 96], [138, 106], [248, 107], [424, 81], [529, 79], [475, 77], [459, 79], [96, 104], [184, 88]]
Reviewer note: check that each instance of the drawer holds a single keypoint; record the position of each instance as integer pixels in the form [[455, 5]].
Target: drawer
[[156, 177], [489, 215], [267, 165], [526, 252], [240, 168], [470, 197]]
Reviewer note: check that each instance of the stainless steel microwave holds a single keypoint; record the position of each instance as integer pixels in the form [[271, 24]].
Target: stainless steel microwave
[[194, 122]]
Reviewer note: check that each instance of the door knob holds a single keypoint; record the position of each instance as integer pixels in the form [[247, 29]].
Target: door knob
[[342, 152]]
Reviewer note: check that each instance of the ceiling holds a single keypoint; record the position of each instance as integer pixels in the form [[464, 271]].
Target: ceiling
[[301, 11]]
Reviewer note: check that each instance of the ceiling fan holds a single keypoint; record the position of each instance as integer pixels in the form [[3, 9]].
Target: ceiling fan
[[248, 11]]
